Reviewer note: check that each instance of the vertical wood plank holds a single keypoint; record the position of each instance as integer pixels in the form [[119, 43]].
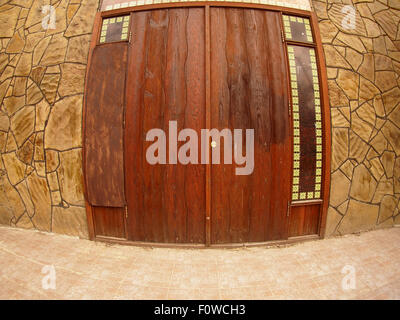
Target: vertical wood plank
[[103, 142], [249, 91], [326, 125], [166, 82], [208, 123]]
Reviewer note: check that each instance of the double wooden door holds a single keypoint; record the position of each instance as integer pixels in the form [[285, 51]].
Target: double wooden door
[[215, 68]]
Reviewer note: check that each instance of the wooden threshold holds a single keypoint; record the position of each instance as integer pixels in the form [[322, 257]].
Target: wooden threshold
[[289, 241]]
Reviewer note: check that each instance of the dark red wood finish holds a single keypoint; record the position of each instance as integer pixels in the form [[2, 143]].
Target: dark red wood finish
[[304, 220], [166, 82], [180, 70], [104, 163], [109, 222], [249, 91]]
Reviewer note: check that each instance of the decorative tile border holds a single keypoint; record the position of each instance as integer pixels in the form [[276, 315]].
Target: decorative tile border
[[296, 4], [120, 31], [294, 25], [296, 194]]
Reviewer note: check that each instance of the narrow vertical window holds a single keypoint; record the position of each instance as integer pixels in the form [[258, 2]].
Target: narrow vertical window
[[306, 110]]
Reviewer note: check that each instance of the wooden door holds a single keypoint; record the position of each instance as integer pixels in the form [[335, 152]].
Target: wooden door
[[166, 82], [103, 139], [249, 90]]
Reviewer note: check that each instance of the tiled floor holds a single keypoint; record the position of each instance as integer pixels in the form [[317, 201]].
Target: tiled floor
[[89, 270]]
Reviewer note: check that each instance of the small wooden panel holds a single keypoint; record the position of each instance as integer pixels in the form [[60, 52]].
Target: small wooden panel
[[103, 141], [249, 91], [304, 220], [166, 82], [109, 222]]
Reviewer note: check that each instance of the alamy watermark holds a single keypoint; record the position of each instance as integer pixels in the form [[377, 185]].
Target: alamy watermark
[[49, 280], [349, 20], [349, 280], [189, 152], [49, 20]]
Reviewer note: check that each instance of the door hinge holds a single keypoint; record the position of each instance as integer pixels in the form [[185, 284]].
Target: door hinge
[[126, 212], [288, 209], [283, 36], [130, 37], [290, 110]]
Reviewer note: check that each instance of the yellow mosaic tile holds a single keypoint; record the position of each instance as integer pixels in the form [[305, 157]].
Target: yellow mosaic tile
[[296, 194]]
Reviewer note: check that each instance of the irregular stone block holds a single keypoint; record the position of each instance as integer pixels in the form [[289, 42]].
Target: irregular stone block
[[24, 222], [39, 50], [23, 124], [33, 95], [71, 221], [8, 21], [391, 99], [332, 220], [348, 82], [42, 112], [82, 22], [25, 153], [24, 65], [71, 176], [52, 160], [26, 198], [387, 160], [63, 130], [387, 208], [55, 52], [359, 217], [340, 146], [14, 167], [340, 186], [16, 44], [363, 184], [391, 133], [72, 79], [78, 49], [49, 86], [13, 104], [40, 194]]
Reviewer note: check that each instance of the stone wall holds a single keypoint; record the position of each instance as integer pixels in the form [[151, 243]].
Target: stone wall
[[42, 74], [363, 61]]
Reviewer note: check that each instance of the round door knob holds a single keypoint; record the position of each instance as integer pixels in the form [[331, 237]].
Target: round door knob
[[213, 144]]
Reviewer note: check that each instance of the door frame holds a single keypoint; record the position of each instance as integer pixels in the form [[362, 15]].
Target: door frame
[[326, 121]]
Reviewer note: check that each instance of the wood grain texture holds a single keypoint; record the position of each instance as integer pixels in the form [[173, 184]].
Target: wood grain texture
[[93, 42], [326, 125], [304, 220], [165, 83], [103, 141], [109, 222], [249, 91]]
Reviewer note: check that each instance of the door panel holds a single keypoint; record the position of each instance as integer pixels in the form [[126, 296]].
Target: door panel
[[304, 220], [166, 82], [109, 222], [249, 91], [103, 141]]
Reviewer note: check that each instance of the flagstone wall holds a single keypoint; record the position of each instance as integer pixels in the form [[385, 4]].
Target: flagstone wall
[[362, 49], [42, 75]]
